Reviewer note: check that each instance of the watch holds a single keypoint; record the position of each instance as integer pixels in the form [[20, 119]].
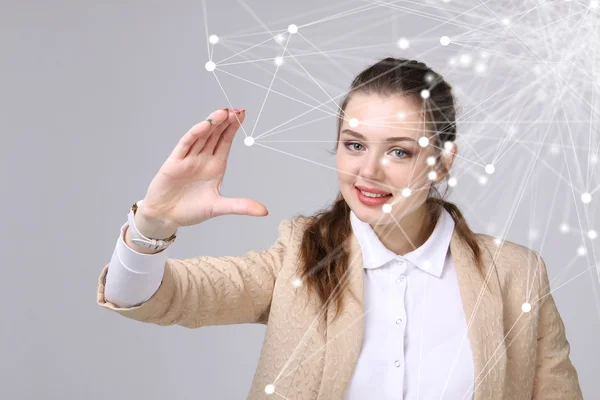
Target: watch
[[141, 240]]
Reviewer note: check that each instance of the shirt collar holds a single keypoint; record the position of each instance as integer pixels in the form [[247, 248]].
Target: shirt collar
[[430, 257]]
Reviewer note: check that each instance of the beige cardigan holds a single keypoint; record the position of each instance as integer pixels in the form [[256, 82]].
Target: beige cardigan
[[516, 355]]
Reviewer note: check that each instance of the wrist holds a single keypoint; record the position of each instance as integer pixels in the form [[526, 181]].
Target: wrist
[[154, 228]]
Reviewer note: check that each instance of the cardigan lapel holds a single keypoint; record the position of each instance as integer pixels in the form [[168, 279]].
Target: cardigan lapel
[[486, 332]]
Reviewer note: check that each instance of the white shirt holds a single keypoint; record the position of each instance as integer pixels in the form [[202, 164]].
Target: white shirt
[[414, 321]]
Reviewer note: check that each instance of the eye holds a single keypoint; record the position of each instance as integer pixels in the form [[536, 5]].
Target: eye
[[401, 153]]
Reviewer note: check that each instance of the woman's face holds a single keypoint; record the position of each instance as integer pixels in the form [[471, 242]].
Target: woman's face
[[366, 158]]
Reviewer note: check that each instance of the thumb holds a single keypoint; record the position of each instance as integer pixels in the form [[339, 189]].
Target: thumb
[[240, 206]]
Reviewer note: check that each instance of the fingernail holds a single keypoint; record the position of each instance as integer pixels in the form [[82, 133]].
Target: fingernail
[[238, 112], [225, 109]]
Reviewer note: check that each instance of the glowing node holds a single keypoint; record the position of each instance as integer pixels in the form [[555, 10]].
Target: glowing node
[[213, 39], [594, 4], [586, 197], [210, 66], [431, 161], [425, 93], [448, 145], [269, 389], [452, 182], [401, 115], [465, 59], [406, 192], [533, 234], [526, 307], [386, 208], [497, 241], [249, 141], [581, 251], [432, 175], [445, 40], [480, 67], [297, 282], [484, 54], [592, 234], [490, 169], [594, 159], [423, 141], [384, 161], [353, 122], [564, 228], [278, 61], [554, 149], [506, 21], [403, 43], [293, 29], [483, 180], [429, 77], [279, 38]]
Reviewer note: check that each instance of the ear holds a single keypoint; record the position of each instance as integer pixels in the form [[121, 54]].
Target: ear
[[446, 160]]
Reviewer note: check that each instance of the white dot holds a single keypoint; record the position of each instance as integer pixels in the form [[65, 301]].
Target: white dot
[[594, 4], [490, 169], [432, 175], [249, 141], [506, 21], [564, 228], [278, 61], [297, 282], [594, 159], [581, 251], [448, 145], [465, 59], [423, 141], [452, 182], [445, 40], [497, 241], [533, 234], [431, 161], [480, 67], [353, 122], [386, 208], [293, 29], [483, 180], [406, 192], [526, 307], [554, 149], [401, 115], [213, 39], [429, 77], [592, 234], [279, 38], [269, 389], [586, 197], [210, 66], [425, 93], [384, 161], [403, 43]]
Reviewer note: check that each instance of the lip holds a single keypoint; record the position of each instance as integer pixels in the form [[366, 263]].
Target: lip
[[372, 190], [371, 201]]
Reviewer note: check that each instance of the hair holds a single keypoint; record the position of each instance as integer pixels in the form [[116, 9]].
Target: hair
[[323, 256]]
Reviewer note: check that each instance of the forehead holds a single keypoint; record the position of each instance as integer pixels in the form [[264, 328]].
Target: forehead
[[381, 116]]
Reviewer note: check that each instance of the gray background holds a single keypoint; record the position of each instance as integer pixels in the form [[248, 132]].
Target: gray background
[[95, 95]]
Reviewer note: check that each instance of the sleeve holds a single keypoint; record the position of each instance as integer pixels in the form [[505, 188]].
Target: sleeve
[[555, 376], [207, 290], [132, 277]]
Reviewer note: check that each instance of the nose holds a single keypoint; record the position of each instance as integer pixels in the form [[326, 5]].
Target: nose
[[372, 168]]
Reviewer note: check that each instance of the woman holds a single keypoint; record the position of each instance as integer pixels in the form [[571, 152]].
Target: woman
[[377, 297]]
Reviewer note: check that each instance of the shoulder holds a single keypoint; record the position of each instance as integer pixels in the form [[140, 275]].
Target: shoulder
[[293, 228], [514, 263]]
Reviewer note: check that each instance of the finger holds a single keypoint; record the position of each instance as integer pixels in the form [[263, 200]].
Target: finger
[[223, 147], [236, 118], [240, 206], [206, 146], [199, 131]]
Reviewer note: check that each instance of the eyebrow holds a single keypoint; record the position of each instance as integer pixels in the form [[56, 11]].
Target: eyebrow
[[390, 139]]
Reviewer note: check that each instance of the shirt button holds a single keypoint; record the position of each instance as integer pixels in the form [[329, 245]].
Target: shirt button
[[397, 363], [398, 321], [401, 279]]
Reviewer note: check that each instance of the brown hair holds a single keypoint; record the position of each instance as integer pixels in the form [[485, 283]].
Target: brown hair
[[323, 256]]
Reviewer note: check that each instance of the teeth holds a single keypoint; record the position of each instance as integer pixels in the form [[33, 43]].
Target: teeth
[[372, 194]]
